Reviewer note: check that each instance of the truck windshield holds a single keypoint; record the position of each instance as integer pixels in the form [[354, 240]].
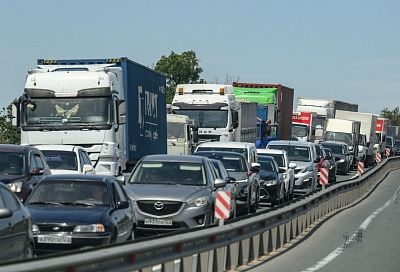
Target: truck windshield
[[175, 131], [338, 137], [299, 131], [207, 118], [64, 112]]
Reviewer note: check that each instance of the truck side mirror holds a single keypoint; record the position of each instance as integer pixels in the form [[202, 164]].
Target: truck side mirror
[[121, 112], [235, 119], [15, 114]]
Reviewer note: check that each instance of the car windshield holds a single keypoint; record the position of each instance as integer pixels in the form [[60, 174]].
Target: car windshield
[[61, 160], [207, 118], [267, 163], [279, 159], [295, 153], [70, 192], [242, 151], [336, 149], [183, 173], [338, 137], [12, 163]]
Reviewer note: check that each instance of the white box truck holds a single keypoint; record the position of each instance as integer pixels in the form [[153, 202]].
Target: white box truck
[[367, 133]]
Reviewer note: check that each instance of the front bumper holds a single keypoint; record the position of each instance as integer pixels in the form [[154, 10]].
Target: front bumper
[[188, 217], [304, 182], [269, 193], [78, 241]]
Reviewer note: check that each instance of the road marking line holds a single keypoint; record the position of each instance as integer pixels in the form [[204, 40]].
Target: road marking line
[[331, 256]]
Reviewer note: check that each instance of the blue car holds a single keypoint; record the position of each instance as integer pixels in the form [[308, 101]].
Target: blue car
[[78, 211]]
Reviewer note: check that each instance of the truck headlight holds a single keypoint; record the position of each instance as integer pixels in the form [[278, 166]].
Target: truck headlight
[[90, 228], [199, 202], [15, 187]]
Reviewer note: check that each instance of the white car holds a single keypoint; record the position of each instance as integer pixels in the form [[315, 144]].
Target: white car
[[67, 159], [283, 162]]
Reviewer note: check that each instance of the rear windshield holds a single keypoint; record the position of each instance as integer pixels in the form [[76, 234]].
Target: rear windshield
[[61, 160], [295, 153], [230, 149]]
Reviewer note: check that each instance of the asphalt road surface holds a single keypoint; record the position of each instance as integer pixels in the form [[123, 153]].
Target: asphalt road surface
[[362, 238]]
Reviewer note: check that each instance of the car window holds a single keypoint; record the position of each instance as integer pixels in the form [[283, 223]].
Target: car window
[[81, 160], [86, 158], [120, 192], [38, 160], [280, 160], [2, 203], [57, 159], [10, 200], [11, 163], [32, 163]]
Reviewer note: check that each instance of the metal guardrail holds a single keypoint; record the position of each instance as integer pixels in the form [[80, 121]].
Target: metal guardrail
[[219, 248]]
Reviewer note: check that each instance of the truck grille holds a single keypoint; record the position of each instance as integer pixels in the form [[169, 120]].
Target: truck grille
[[168, 207]]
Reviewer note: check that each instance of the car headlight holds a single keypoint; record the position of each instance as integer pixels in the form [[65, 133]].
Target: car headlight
[[90, 228], [243, 191], [307, 169], [270, 182], [15, 187], [35, 229], [199, 202], [350, 147], [342, 160], [284, 175]]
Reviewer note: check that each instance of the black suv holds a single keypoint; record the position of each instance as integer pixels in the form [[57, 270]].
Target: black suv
[[21, 167]]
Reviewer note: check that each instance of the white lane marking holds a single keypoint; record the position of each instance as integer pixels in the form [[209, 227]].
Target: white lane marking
[[331, 256]]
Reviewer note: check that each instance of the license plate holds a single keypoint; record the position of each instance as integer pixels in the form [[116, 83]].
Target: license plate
[[51, 239], [159, 222]]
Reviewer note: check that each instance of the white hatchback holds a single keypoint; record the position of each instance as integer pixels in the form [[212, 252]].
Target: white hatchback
[[67, 159]]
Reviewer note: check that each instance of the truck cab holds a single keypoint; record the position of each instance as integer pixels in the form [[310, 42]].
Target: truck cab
[[212, 107], [182, 135]]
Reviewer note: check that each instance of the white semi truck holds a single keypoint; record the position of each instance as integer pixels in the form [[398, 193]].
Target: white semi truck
[[366, 150], [216, 112], [114, 108]]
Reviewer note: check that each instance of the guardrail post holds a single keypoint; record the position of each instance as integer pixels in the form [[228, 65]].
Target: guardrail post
[[219, 261], [266, 242], [281, 235], [244, 251], [288, 231], [168, 267], [203, 261], [295, 227], [232, 256], [255, 247], [275, 238]]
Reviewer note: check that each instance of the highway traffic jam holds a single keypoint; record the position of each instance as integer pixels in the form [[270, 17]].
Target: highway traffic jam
[[103, 159]]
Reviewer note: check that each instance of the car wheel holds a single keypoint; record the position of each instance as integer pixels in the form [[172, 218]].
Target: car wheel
[[29, 251], [253, 208]]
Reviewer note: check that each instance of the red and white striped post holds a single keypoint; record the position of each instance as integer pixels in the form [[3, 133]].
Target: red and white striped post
[[378, 157], [323, 177], [360, 168], [222, 206], [387, 152]]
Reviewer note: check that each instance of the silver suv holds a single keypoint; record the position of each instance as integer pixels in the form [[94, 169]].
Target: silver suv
[[305, 156], [172, 192]]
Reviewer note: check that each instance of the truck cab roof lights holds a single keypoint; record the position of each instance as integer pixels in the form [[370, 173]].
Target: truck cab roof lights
[[221, 91], [180, 91]]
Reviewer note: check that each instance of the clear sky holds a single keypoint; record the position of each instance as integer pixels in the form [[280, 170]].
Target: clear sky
[[340, 49]]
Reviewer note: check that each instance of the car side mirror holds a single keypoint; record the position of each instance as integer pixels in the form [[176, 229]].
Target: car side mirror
[[230, 180], [122, 205], [121, 112], [292, 165], [87, 168], [282, 170], [218, 183], [5, 213], [37, 171]]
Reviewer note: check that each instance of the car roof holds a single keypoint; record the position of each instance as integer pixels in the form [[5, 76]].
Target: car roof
[[174, 158], [333, 143], [221, 153], [15, 148], [295, 143], [80, 177], [58, 147], [227, 144], [271, 151]]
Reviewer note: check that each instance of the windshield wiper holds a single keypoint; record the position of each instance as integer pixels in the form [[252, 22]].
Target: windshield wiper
[[46, 203], [80, 203]]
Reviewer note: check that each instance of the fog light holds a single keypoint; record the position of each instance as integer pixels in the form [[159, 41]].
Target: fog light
[[200, 219]]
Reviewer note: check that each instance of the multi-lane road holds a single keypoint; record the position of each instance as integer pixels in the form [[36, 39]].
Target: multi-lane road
[[361, 238]]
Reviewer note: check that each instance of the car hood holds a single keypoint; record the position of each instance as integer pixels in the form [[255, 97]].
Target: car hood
[[301, 164], [6, 179], [67, 214], [177, 192], [268, 175], [238, 175]]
